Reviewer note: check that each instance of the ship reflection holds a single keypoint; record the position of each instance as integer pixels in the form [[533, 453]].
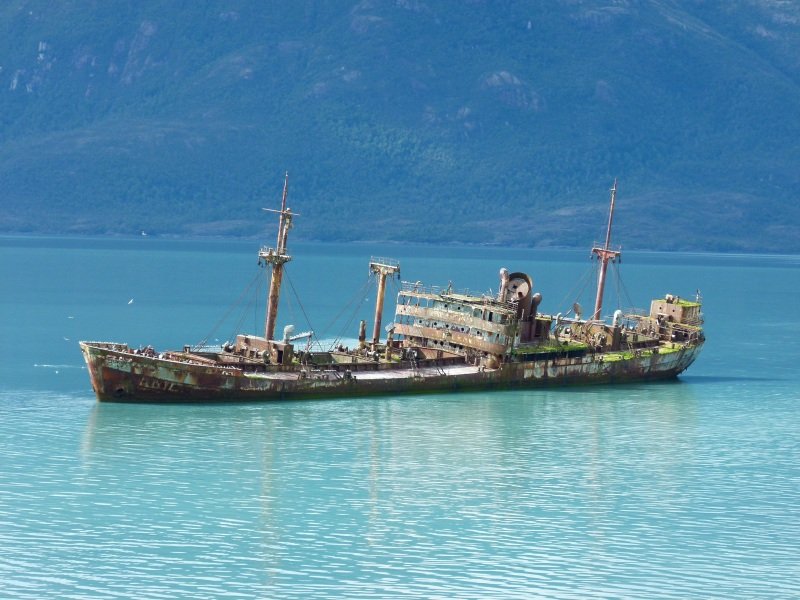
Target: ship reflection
[[371, 474]]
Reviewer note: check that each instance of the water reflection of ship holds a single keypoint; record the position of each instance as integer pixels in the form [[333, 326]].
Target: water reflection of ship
[[536, 446], [371, 469], [122, 430]]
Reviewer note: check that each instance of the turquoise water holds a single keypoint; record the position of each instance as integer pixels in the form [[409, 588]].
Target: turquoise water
[[674, 490]]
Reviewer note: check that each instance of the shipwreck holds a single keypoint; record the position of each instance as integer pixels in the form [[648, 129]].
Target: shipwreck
[[441, 340]]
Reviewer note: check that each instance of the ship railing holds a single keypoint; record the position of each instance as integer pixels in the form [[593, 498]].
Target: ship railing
[[382, 260], [630, 314], [436, 290], [693, 322], [635, 314], [113, 346], [601, 246], [213, 348]]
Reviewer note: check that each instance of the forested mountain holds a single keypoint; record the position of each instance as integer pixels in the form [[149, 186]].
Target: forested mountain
[[418, 120]]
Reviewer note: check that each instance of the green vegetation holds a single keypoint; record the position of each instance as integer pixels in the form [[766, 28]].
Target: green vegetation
[[413, 121], [617, 356], [629, 354], [549, 346], [683, 302], [669, 349]]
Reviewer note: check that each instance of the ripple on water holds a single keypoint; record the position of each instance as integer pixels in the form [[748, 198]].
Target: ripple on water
[[635, 492]]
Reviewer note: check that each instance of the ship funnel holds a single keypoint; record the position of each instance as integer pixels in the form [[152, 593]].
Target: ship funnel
[[578, 309], [287, 333], [536, 300], [501, 295], [518, 289], [362, 334]]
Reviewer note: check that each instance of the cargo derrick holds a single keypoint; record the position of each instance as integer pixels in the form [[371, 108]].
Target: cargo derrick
[[382, 267]]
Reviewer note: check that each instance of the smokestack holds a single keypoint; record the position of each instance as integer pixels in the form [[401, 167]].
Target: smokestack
[[536, 300], [362, 334], [389, 340], [501, 295]]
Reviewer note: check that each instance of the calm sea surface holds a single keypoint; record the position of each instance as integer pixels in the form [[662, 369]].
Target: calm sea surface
[[687, 489]]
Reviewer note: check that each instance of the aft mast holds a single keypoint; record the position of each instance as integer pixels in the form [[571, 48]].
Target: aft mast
[[605, 255], [277, 257]]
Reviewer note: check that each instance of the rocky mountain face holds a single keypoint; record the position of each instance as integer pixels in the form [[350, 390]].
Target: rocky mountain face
[[406, 120]]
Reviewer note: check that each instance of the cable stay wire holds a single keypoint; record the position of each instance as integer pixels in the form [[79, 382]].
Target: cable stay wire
[[228, 312], [254, 302], [619, 287], [288, 301], [580, 286], [396, 286], [299, 302], [622, 290], [356, 305], [238, 326]]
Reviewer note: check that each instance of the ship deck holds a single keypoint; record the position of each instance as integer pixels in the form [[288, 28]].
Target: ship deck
[[418, 372], [383, 374]]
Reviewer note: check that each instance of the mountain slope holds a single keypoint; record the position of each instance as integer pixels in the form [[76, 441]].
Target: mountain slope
[[405, 120]]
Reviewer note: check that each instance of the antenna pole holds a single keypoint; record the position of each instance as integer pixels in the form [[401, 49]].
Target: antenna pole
[[277, 257], [606, 255]]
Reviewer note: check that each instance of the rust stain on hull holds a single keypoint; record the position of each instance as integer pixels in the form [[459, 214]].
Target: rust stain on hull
[[121, 377]]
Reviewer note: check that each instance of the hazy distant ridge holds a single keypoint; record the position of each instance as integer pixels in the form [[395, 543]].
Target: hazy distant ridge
[[406, 120]]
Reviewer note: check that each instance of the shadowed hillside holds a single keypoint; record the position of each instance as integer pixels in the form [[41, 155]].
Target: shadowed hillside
[[405, 120]]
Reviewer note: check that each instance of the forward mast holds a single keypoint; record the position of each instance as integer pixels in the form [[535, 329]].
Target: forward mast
[[276, 258]]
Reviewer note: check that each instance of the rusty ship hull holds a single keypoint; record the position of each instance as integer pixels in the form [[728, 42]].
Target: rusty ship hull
[[119, 375], [440, 340]]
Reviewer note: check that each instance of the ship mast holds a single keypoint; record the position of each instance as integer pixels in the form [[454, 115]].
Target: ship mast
[[277, 257], [381, 267], [606, 255]]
